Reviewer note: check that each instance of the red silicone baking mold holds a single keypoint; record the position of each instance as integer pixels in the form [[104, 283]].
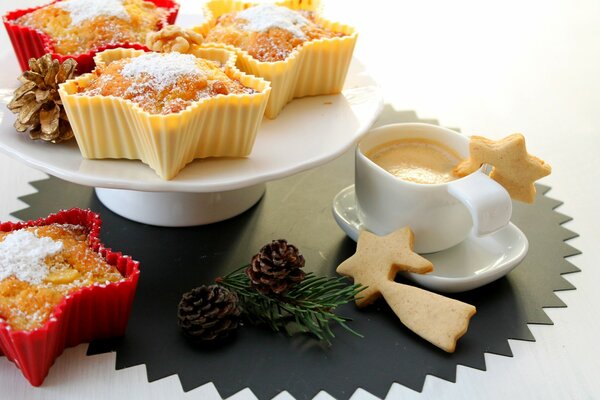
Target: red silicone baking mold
[[31, 43], [93, 312]]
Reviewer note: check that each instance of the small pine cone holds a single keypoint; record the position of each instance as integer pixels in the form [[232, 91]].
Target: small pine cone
[[173, 38], [209, 313], [37, 102], [276, 267]]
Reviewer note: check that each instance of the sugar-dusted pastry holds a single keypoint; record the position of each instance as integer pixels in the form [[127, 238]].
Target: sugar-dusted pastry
[[269, 32], [79, 28], [59, 286], [171, 108], [39, 266], [163, 83], [287, 43]]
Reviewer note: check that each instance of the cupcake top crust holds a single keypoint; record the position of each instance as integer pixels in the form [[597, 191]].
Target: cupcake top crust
[[80, 26], [163, 83], [268, 32], [39, 266]]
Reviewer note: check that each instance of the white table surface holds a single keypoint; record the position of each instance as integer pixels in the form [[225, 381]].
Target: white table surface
[[487, 68]]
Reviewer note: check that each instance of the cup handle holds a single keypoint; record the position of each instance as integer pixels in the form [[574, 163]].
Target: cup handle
[[487, 201]]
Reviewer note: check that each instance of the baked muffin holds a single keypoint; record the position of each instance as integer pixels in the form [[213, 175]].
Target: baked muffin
[[39, 266], [288, 44], [268, 32], [163, 83], [59, 287], [80, 28], [170, 108]]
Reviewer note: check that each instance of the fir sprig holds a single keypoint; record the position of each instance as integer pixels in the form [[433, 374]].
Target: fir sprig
[[308, 306]]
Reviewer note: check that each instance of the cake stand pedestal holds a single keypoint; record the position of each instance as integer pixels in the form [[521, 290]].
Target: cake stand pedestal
[[180, 209]]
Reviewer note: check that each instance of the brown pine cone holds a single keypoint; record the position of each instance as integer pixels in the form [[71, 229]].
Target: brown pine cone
[[38, 103], [209, 313], [276, 267]]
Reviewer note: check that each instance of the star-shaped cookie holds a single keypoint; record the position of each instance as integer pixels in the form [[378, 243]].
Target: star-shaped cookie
[[437, 319], [514, 168], [379, 258]]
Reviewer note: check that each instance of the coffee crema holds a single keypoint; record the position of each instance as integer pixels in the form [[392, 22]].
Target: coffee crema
[[416, 160]]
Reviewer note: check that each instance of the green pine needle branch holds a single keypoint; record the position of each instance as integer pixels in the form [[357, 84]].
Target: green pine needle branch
[[306, 307]]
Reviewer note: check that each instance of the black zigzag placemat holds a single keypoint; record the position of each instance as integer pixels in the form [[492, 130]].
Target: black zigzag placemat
[[174, 260]]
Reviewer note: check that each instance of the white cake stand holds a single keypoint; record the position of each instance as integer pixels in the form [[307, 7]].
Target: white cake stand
[[309, 132]]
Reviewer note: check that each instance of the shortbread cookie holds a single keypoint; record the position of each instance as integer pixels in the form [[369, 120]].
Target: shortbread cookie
[[379, 258], [437, 319], [514, 168]]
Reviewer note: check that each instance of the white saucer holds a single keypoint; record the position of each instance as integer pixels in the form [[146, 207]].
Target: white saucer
[[473, 263]]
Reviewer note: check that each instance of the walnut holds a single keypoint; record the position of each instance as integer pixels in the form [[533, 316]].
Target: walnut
[[173, 38]]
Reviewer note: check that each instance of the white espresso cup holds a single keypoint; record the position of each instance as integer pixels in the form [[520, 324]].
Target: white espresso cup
[[441, 215]]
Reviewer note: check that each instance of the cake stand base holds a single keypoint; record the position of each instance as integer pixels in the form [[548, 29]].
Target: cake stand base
[[179, 209]]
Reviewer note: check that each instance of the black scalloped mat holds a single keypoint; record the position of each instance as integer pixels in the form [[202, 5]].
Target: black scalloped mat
[[174, 260]]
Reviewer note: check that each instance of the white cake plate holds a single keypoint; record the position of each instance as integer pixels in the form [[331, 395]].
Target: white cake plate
[[309, 132]]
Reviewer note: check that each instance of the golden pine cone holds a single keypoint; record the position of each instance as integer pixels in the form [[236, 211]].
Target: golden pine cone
[[38, 103], [173, 38]]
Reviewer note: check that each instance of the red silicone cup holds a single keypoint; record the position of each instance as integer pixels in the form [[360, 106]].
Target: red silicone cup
[[31, 43], [92, 312]]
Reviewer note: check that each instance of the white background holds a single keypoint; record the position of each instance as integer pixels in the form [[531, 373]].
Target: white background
[[489, 68]]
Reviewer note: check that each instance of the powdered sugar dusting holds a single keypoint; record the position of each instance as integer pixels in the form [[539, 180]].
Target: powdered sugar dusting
[[22, 254], [81, 10], [163, 69], [263, 17]]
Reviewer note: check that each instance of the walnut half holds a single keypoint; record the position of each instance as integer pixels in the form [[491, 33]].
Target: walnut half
[[173, 38]]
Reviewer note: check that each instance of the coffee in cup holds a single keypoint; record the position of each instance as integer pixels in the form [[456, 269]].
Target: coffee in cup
[[416, 160], [440, 214]]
